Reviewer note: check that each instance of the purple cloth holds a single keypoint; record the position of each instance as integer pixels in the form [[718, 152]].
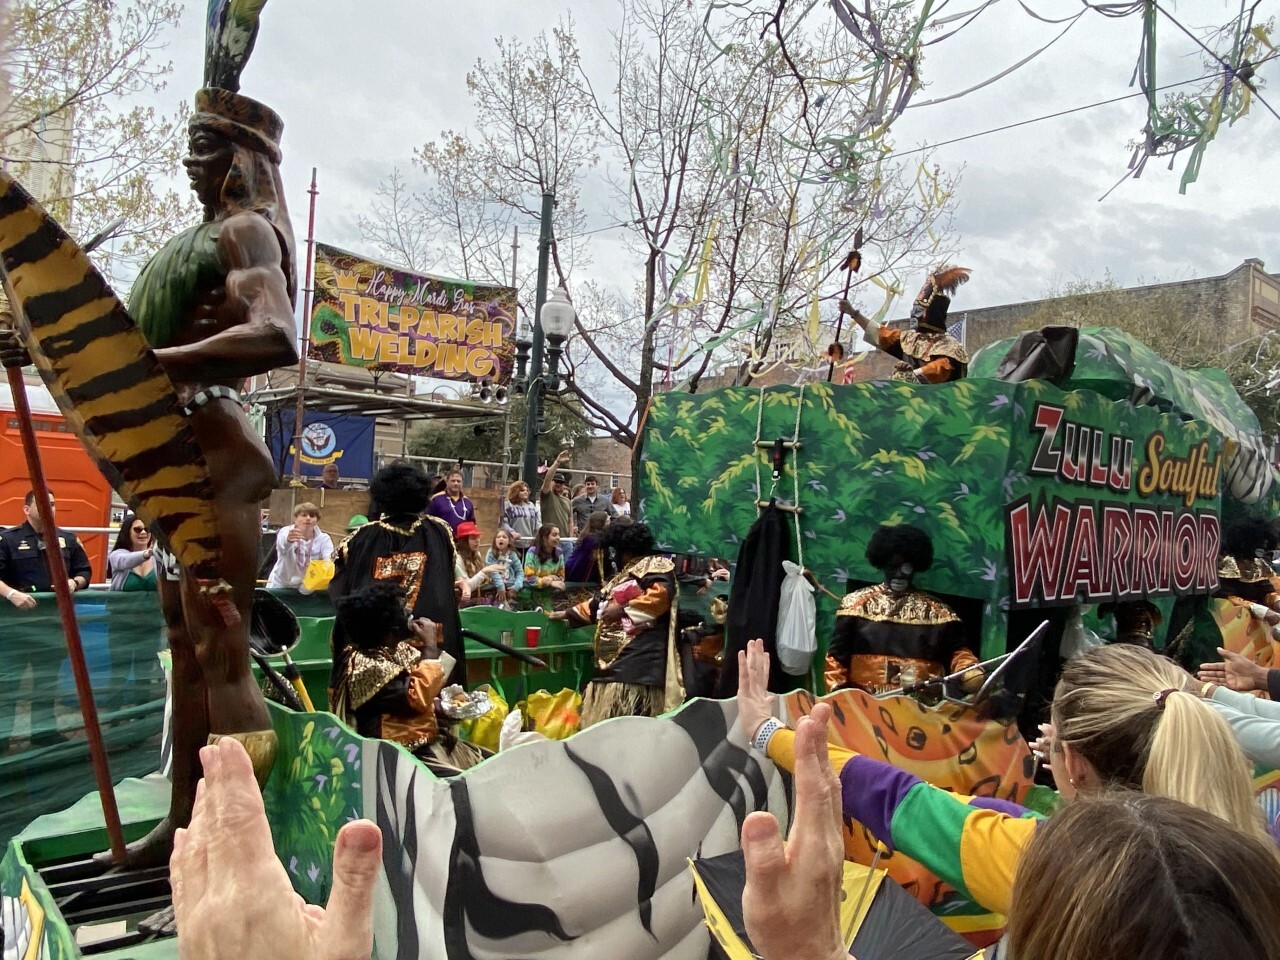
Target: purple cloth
[[451, 512], [581, 566], [998, 805], [870, 791]]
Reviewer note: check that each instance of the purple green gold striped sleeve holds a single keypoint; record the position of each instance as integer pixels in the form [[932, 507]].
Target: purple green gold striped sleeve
[[972, 843]]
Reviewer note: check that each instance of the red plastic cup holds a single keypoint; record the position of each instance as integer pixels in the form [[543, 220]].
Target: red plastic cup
[[531, 635]]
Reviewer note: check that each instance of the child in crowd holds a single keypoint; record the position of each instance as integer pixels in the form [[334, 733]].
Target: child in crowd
[[510, 581], [473, 568], [544, 564]]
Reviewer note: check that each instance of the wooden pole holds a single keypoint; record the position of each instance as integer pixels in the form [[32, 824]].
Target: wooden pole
[[66, 610]]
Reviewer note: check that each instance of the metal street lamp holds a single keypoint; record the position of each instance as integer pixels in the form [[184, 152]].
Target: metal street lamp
[[554, 322], [557, 321]]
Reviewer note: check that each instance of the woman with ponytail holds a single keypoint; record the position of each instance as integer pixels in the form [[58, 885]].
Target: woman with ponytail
[[1122, 717]]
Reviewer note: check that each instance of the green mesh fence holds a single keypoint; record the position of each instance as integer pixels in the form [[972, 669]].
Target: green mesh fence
[[44, 757]]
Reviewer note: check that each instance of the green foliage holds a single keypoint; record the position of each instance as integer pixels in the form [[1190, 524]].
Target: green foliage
[[946, 458], [309, 799]]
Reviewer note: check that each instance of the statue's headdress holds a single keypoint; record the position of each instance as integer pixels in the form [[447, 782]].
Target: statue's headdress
[[231, 31], [253, 182], [933, 301]]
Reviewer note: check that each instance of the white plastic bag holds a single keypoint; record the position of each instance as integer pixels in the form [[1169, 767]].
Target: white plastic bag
[[1076, 637], [797, 641]]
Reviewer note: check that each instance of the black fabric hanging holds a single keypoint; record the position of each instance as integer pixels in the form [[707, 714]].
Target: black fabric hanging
[[754, 598]]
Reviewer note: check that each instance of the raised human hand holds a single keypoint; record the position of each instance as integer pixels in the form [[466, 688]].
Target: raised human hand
[[231, 895], [791, 902], [1235, 672], [755, 703]]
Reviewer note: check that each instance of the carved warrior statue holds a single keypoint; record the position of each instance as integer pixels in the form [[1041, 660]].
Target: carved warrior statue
[[155, 397]]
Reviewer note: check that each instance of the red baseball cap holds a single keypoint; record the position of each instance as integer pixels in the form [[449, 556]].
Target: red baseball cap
[[467, 529]]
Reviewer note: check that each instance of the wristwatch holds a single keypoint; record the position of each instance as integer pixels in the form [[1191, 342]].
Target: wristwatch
[[765, 733]]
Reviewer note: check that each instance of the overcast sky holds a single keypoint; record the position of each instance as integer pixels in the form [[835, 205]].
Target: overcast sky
[[360, 84]]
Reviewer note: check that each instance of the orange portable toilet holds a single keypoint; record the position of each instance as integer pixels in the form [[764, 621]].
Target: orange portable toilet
[[82, 492]]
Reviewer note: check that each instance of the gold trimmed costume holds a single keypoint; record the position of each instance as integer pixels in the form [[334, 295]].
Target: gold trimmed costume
[[883, 640], [637, 667], [928, 357], [1249, 580], [390, 694]]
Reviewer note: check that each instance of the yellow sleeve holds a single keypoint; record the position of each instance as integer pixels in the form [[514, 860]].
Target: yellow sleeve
[[782, 751]]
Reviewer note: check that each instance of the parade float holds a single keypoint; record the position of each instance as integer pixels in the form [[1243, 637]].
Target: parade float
[[1108, 482]]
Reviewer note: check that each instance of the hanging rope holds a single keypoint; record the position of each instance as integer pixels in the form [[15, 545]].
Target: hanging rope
[[795, 477]]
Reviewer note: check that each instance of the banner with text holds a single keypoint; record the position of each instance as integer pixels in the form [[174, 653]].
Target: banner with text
[[1115, 509], [369, 314]]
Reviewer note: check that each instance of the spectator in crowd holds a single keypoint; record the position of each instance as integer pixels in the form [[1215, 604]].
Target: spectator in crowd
[[23, 570], [135, 674], [588, 502], [473, 568], [297, 545], [586, 563], [544, 564], [450, 504], [621, 505], [328, 478], [554, 497], [510, 581], [519, 514], [1124, 876], [130, 563], [1122, 718]]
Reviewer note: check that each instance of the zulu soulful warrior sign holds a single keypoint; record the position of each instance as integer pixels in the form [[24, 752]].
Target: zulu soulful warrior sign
[[1144, 520], [374, 315]]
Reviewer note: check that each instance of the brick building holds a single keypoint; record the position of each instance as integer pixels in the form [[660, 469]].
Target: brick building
[[1241, 303]]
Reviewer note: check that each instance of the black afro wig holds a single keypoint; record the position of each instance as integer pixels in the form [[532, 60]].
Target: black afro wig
[[628, 539], [910, 543], [1244, 536], [399, 489], [373, 615]]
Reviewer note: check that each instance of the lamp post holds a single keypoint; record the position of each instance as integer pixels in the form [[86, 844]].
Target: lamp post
[[554, 322]]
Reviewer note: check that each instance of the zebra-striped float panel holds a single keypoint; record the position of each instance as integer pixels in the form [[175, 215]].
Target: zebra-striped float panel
[[106, 380], [564, 850]]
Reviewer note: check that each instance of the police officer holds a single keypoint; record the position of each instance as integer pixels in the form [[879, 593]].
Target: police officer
[[27, 642], [23, 570]]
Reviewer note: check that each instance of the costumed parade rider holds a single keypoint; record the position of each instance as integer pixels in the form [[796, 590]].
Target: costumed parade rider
[[927, 354], [1245, 575], [892, 635], [391, 674], [404, 548], [1136, 622], [637, 666]]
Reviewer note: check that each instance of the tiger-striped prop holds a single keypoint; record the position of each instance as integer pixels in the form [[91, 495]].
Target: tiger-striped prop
[[106, 380]]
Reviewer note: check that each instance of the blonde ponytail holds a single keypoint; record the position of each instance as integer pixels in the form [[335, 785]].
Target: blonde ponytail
[[1195, 758], [1123, 709]]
